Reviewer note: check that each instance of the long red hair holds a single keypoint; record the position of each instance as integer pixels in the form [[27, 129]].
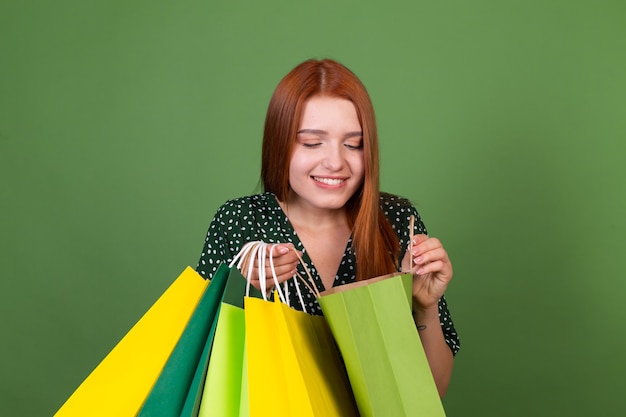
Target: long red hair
[[374, 241]]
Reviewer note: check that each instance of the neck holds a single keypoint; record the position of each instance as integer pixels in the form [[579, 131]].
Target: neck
[[312, 217]]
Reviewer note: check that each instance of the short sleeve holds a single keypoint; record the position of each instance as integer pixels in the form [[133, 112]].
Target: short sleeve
[[449, 332]]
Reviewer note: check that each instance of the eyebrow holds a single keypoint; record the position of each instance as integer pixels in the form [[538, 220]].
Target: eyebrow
[[323, 132]]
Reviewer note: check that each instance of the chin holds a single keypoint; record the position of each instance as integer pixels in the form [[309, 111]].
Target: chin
[[332, 204]]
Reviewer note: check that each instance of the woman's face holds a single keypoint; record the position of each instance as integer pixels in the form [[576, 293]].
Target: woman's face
[[327, 166]]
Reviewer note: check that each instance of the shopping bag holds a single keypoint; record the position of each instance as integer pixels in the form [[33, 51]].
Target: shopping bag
[[191, 406], [225, 388], [222, 388], [225, 377], [167, 397], [244, 403], [119, 385], [293, 364], [308, 358], [233, 294], [373, 326]]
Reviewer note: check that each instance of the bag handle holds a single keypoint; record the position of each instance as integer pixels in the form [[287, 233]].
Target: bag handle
[[310, 283], [259, 248], [245, 259], [313, 288], [411, 231], [257, 251]]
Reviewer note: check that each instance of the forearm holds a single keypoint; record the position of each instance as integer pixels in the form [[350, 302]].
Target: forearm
[[438, 353]]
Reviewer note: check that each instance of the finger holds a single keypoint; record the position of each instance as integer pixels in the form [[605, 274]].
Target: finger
[[284, 254], [437, 254], [281, 266], [417, 239], [425, 245], [267, 271], [440, 269], [281, 249], [282, 271], [287, 259]]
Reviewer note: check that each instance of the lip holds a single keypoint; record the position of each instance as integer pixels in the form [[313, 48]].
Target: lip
[[331, 182]]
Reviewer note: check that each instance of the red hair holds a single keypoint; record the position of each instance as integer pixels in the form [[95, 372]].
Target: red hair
[[374, 241]]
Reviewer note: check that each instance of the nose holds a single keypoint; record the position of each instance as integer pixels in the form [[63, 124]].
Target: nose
[[333, 158]]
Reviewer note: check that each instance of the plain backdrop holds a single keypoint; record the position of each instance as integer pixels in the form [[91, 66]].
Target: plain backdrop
[[125, 124]]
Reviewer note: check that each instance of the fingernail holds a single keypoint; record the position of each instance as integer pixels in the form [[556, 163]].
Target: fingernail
[[283, 250], [418, 260]]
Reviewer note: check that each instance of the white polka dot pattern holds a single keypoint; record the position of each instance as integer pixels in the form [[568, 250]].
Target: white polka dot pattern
[[259, 217]]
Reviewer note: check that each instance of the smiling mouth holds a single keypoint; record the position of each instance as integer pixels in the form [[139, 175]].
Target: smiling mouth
[[329, 181]]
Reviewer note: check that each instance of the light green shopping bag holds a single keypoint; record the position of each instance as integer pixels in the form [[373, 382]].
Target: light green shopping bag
[[373, 325], [226, 376]]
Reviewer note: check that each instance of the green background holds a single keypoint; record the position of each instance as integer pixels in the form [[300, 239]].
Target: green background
[[125, 124]]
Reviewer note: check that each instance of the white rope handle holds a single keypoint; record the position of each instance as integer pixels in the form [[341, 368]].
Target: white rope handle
[[275, 278], [295, 283], [261, 269], [256, 252], [311, 282], [246, 254]]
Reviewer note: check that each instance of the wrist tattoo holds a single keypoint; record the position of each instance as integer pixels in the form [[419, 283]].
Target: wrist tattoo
[[421, 327]]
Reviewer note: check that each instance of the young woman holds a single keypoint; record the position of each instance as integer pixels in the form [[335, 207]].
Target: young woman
[[320, 174]]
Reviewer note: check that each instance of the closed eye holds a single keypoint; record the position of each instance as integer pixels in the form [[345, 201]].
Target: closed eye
[[311, 144], [354, 144], [354, 147]]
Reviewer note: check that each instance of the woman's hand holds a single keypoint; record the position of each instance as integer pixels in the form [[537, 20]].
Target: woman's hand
[[285, 261], [432, 271]]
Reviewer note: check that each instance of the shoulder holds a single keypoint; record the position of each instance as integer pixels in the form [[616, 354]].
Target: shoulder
[[249, 204], [249, 214], [394, 202], [398, 211], [396, 208]]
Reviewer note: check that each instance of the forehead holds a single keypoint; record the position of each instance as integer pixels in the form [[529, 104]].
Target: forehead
[[324, 112]]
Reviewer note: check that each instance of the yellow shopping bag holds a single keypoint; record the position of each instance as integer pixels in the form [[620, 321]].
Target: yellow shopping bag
[[119, 385], [293, 364]]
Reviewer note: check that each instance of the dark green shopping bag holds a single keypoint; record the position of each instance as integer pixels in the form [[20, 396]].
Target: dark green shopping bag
[[176, 381]]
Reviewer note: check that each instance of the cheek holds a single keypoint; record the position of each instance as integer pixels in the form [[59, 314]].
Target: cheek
[[301, 162], [357, 165], [297, 167]]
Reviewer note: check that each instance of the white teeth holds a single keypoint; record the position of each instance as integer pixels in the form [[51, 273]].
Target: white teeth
[[329, 181]]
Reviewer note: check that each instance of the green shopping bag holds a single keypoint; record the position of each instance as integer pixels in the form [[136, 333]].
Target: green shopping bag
[[225, 376], [167, 397], [236, 287], [239, 368], [192, 401], [373, 325]]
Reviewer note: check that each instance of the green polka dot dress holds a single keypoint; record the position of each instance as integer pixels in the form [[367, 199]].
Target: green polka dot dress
[[260, 217]]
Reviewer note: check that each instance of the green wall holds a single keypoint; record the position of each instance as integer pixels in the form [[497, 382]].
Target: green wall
[[124, 124]]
